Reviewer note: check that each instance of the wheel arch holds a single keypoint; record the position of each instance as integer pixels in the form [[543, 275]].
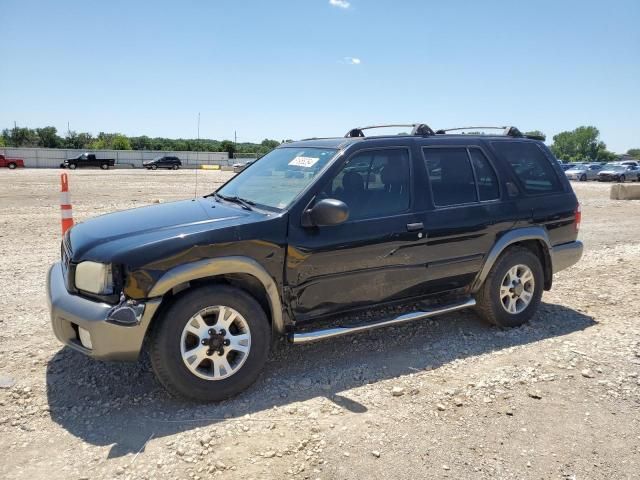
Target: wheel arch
[[535, 239], [241, 272]]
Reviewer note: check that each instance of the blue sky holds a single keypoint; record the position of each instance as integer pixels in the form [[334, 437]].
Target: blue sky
[[286, 69]]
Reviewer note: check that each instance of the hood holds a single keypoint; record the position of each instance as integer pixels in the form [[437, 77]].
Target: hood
[[102, 237]]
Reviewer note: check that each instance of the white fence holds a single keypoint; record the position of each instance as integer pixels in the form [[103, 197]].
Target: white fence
[[53, 157]]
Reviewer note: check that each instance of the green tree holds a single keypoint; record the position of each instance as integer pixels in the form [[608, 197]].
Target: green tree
[[581, 144], [48, 137], [120, 142], [2, 142], [634, 152], [229, 147]]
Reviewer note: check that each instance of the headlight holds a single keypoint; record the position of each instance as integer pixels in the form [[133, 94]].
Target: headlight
[[95, 278]]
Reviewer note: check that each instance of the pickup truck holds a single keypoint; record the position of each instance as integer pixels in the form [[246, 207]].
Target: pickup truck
[[88, 160], [11, 162]]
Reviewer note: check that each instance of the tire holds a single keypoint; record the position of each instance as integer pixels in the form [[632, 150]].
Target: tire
[[104, 166], [73, 166], [583, 178], [12, 166], [490, 304], [169, 338], [175, 167], [622, 178], [154, 167]]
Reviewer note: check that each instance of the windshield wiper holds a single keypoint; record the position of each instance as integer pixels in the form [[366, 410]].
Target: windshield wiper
[[244, 203]]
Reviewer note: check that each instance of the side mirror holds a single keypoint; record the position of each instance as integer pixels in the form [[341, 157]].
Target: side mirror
[[325, 213]]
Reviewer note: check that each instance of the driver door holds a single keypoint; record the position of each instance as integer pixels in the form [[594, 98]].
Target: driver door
[[367, 259]]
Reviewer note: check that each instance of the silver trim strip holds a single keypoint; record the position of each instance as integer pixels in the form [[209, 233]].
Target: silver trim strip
[[316, 335]]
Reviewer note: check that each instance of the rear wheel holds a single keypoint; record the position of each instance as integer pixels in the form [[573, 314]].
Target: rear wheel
[[104, 166], [622, 178], [210, 344], [512, 291], [12, 165]]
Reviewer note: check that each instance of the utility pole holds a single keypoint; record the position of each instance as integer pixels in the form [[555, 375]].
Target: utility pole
[[198, 127]]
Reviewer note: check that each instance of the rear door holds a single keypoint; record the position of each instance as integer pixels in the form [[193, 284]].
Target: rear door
[[368, 259], [464, 213]]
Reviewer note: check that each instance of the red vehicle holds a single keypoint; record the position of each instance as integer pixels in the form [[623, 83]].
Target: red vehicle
[[11, 162]]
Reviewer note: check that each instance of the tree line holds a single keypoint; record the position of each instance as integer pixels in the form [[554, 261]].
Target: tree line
[[580, 145], [47, 137]]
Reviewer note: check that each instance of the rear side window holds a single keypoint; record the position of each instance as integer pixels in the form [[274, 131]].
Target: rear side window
[[450, 175], [531, 166], [460, 175], [486, 178]]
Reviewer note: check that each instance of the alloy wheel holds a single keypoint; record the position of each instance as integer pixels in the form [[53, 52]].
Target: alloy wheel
[[516, 289], [215, 342]]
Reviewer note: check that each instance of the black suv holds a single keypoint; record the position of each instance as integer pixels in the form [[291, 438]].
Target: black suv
[[170, 162], [431, 222]]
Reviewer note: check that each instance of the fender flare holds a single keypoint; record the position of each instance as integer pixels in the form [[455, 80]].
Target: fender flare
[[221, 266], [509, 238]]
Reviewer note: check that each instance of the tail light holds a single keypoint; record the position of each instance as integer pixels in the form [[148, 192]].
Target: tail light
[[578, 217]]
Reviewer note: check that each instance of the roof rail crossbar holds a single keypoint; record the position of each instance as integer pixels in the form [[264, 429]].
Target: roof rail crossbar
[[508, 131], [416, 129]]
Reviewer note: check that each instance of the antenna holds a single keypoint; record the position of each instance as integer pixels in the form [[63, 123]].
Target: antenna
[[195, 192]]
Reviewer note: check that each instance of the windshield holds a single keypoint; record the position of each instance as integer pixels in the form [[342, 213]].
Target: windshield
[[279, 177], [579, 167], [614, 166]]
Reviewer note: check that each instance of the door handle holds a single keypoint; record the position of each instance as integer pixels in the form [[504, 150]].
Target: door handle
[[415, 227]]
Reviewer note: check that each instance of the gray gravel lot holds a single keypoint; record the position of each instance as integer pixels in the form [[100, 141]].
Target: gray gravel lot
[[445, 398]]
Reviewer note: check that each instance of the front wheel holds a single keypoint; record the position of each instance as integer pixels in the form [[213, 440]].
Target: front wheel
[[176, 167], [583, 178], [512, 291], [12, 166], [73, 166], [622, 179], [154, 167], [210, 344]]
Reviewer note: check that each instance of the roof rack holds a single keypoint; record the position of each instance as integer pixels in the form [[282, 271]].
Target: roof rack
[[416, 129], [507, 131]]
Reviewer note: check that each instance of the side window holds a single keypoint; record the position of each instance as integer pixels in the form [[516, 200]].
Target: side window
[[486, 179], [450, 175], [374, 183], [531, 166]]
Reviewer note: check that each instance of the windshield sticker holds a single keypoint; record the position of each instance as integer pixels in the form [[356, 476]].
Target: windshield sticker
[[306, 162]]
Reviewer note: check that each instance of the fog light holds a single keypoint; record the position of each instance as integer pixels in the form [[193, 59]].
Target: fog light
[[85, 338]]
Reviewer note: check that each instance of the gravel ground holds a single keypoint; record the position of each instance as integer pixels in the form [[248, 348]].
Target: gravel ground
[[445, 398]]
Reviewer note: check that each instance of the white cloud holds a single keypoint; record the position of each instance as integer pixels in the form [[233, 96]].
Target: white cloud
[[340, 3], [352, 60]]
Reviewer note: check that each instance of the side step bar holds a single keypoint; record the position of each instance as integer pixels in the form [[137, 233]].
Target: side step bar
[[316, 335]]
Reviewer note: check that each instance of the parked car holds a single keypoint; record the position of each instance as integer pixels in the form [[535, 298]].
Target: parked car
[[11, 163], [616, 172], [238, 167], [584, 172], [466, 221], [566, 166], [88, 160], [165, 161]]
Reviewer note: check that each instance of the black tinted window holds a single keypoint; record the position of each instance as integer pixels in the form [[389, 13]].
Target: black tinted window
[[486, 178], [450, 175], [373, 184], [531, 166]]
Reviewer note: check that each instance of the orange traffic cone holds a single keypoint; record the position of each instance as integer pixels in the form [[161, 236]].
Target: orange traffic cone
[[66, 212]]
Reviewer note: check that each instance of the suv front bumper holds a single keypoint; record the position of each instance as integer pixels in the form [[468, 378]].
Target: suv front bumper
[[565, 255], [109, 339]]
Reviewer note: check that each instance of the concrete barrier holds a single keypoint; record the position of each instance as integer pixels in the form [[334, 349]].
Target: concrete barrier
[[622, 191]]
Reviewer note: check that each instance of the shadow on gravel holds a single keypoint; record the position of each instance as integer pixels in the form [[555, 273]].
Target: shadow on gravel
[[122, 405]]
